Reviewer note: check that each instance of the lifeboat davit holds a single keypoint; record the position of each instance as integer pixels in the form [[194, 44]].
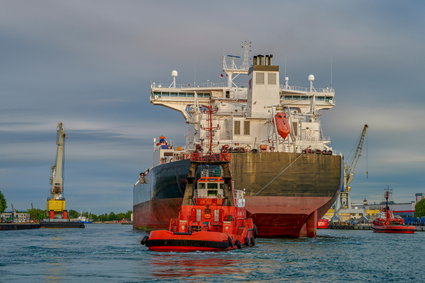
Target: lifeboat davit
[[212, 216], [388, 223], [282, 124]]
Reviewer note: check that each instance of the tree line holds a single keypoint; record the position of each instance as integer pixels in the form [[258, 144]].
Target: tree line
[[39, 214]]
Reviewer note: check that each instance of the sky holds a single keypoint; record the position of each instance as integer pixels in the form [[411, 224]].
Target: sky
[[90, 64]]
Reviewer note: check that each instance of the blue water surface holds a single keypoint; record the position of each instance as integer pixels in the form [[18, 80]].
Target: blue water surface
[[112, 253]]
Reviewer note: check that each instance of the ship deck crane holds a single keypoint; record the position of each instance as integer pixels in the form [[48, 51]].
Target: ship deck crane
[[56, 204], [344, 194]]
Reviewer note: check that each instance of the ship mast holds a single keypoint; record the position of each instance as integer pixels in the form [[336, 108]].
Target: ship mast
[[387, 206], [230, 68]]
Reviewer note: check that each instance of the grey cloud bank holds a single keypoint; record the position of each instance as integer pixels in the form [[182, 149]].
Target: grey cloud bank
[[90, 65]]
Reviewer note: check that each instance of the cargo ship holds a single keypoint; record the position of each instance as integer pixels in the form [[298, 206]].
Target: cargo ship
[[279, 156]]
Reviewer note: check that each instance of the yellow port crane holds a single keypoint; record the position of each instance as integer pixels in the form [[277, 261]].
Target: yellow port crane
[[56, 204]]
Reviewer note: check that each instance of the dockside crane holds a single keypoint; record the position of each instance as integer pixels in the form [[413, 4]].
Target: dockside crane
[[344, 201], [56, 204]]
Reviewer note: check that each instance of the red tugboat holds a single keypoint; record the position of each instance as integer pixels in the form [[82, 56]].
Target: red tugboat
[[388, 223], [212, 216]]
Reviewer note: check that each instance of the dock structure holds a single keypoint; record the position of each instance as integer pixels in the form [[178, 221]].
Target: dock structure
[[338, 226], [61, 224], [19, 226]]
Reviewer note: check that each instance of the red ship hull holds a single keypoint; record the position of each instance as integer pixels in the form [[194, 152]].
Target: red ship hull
[[274, 216], [167, 241], [400, 229]]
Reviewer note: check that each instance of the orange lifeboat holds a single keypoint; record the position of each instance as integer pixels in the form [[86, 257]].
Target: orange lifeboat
[[282, 124], [212, 216]]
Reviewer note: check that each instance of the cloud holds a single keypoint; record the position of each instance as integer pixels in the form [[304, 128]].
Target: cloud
[[90, 65]]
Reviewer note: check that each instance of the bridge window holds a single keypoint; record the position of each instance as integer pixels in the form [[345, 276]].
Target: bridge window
[[246, 128], [237, 128]]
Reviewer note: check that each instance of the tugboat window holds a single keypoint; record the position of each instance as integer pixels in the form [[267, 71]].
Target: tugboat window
[[212, 186]]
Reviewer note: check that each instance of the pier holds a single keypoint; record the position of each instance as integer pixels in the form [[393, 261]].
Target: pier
[[363, 227], [19, 226]]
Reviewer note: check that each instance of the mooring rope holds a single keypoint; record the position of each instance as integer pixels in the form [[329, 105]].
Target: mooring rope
[[280, 173]]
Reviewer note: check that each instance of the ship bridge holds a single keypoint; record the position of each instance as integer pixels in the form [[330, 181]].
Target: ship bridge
[[180, 96]]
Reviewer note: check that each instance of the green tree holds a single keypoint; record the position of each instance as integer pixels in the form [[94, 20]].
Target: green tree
[[73, 213], [37, 214], [420, 208], [128, 214], [94, 217], [112, 216], [3, 204]]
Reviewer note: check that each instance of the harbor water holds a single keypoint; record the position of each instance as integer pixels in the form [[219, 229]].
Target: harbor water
[[112, 253]]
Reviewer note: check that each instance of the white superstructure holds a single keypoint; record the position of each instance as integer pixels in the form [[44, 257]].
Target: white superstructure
[[243, 117]]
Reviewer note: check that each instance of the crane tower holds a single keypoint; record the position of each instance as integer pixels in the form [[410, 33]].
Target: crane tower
[[344, 195], [56, 204]]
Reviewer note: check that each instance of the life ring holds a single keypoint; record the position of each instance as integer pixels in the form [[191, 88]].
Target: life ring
[[387, 222], [144, 240]]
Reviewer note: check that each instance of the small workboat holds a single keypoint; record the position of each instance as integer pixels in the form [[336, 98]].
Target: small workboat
[[212, 216], [323, 223], [388, 223]]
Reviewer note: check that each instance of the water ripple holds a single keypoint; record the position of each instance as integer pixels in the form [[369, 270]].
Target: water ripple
[[112, 253]]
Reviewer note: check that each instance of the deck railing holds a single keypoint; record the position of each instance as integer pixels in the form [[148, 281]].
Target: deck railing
[[213, 157]]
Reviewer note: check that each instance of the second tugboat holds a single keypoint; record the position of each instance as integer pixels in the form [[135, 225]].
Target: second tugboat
[[212, 216], [388, 223]]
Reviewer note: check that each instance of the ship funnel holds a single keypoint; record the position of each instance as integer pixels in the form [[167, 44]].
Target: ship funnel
[[254, 60], [270, 59], [261, 57]]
